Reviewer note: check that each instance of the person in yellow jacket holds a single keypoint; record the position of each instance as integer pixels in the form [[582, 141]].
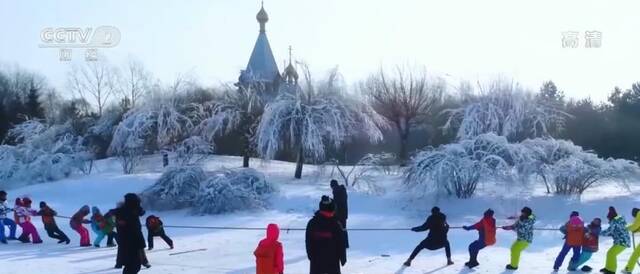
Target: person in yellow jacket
[[633, 228]]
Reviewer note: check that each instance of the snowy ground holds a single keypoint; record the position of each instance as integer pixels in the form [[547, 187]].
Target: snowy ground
[[231, 251]]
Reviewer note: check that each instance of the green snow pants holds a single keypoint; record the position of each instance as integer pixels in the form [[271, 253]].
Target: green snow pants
[[612, 257], [633, 259], [516, 249]]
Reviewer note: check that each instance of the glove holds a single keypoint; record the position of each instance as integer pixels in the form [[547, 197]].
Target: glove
[[506, 227], [343, 262], [466, 227], [415, 229]]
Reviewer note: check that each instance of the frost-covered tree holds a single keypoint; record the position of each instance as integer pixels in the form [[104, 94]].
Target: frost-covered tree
[[506, 110], [405, 99], [238, 111], [95, 82], [193, 150], [308, 119], [156, 125], [135, 82]]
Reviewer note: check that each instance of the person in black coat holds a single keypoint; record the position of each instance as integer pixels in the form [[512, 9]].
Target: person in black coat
[[437, 237], [342, 207], [131, 240], [325, 240]]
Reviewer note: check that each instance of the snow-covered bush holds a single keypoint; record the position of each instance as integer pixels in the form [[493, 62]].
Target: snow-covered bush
[[232, 190], [193, 150], [567, 169], [506, 110], [43, 153], [177, 188], [222, 191], [455, 169]]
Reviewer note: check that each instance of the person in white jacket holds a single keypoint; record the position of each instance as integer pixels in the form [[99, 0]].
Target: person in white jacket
[[4, 221]]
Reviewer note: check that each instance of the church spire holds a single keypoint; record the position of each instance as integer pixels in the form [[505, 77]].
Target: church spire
[[262, 17], [290, 74]]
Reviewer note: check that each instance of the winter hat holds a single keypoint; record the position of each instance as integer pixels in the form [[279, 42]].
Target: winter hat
[[489, 213], [526, 211], [574, 213], [131, 200], [326, 204], [43, 204], [596, 222], [333, 183], [576, 221], [95, 210], [634, 211], [3, 195], [26, 201], [273, 232], [612, 213], [435, 210]]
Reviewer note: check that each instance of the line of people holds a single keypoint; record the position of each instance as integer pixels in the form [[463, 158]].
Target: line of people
[[120, 225], [326, 240]]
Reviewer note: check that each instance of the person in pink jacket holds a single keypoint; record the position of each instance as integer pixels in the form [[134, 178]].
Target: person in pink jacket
[[23, 215], [269, 255]]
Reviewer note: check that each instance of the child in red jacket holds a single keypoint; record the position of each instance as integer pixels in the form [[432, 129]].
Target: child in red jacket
[[76, 223], [269, 255], [486, 228]]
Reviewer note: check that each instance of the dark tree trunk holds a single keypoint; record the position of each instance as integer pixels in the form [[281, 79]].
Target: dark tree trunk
[[403, 134], [245, 160], [299, 163], [246, 153]]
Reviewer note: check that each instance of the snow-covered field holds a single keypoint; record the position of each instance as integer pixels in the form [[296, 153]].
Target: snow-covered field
[[232, 251]]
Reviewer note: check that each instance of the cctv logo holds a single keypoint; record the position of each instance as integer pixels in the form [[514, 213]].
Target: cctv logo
[[101, 37]]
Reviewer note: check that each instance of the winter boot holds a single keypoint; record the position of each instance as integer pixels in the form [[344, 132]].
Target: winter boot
[[24, 239], [471, 265], [61, 241], [37, 242], [586, 268], [111, 245], [12, 238], [606, 271], [625, 271], [3, 241], [118, 266], [147, 265], [407, 263], [449, 262], [509, 267]]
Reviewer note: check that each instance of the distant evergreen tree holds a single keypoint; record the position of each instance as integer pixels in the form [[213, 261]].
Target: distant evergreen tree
[[33, 106]]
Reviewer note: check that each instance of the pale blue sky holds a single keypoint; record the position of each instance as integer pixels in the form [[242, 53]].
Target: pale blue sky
[[473, 40]]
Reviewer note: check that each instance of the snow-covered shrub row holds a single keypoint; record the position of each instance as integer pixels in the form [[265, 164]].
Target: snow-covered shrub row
[[43, 153], [565, 168], [507, 110], [222, 191]]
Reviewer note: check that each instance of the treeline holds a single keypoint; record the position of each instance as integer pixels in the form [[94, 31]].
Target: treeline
[[99, 95]]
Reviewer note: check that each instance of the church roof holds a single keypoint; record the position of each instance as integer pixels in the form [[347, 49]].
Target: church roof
[[262, 65]]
